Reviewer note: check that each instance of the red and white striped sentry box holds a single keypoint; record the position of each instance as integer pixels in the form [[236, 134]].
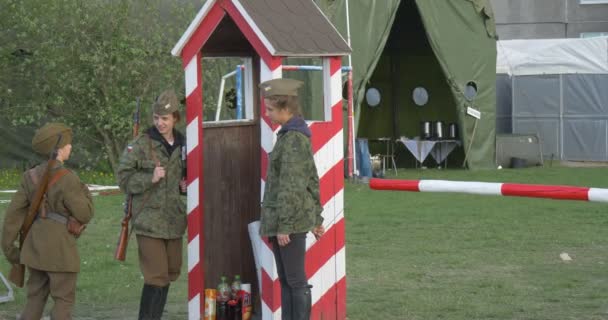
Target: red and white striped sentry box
[[325, 259]]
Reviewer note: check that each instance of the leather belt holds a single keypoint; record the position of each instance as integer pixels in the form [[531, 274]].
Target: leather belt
[[56, 217]]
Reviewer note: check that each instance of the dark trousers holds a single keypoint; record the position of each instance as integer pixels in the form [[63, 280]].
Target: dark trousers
[[290, 260]]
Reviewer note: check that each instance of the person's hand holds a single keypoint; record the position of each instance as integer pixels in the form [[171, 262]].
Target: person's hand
[[159, 173], [318, 231], [182, 186], [283, 239]]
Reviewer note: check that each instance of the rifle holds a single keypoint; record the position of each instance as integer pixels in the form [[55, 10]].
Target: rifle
[[17, 273], [123, 238]]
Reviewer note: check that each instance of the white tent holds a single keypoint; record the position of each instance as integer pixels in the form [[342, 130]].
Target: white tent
[[552, 56], [558, 90]]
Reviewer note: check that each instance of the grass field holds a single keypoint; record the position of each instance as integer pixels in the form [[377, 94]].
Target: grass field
[[417, 255]]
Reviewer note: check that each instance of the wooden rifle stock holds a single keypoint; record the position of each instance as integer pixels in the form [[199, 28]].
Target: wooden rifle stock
[[123, 239]]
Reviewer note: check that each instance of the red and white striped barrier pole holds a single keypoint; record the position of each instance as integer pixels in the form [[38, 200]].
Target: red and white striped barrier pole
[[494, 188]]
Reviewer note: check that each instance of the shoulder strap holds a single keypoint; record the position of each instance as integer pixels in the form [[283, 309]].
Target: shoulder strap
[[58, 175]]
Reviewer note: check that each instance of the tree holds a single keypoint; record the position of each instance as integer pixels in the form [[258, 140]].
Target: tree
[[85, 62]]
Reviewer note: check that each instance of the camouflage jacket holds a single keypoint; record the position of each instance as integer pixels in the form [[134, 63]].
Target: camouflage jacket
[[48, 246], [291, 197], [158, 209]]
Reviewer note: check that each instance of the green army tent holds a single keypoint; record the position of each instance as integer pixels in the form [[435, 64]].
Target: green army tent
[[439, 45]]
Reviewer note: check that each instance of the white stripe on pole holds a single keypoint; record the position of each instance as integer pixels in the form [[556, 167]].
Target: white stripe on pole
[[192, 192], [598, 195], [460, 186], [194, 306], [193, 253], [191, 75], [192, 134]]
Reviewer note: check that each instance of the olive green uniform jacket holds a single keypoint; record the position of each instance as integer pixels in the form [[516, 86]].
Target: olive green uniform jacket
[[48, 246], [291, 197], [159, 211]]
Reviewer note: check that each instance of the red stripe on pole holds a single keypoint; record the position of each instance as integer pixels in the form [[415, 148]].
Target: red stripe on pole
[[194, 229], [545, 191], [332, 182], [341, 299], [335, 65], [325, 307], [324, 249], [203, 32], [195, 276], [271, 292], [391, 184], [322, 132]]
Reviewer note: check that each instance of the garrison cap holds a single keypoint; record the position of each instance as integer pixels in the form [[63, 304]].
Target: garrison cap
[[166, 103], [47, 136], [280, 87]]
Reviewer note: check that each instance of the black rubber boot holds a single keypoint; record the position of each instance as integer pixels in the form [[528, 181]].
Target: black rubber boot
[[286, 303], [152, 302], [301, 303], [163, 301]]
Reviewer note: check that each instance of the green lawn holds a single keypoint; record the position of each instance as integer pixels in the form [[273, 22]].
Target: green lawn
[[416, 255]]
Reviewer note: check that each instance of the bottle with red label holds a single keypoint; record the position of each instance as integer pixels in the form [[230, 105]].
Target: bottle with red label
[[235, 287]]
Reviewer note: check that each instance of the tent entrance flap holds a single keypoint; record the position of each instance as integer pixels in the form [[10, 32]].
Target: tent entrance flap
[[438, 45]]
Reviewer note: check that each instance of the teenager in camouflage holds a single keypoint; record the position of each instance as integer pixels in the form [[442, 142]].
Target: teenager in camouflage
[[150, 169], [291, 206], [49, 250]]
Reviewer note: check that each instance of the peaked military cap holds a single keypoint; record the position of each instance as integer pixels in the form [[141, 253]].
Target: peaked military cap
[[166, 103], [280, 87], [48, 136]]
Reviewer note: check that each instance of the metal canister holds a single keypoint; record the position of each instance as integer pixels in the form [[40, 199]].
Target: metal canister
[[453, 131], [425, 130], [439, 130]]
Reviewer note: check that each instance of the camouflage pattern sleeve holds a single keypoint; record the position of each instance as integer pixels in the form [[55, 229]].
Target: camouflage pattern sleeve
[[135, 171], [316, 195], [293, 181], [77, 199], [13, 220]]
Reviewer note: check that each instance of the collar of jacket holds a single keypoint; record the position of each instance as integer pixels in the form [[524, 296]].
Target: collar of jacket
[[155, 135], [296, 123]]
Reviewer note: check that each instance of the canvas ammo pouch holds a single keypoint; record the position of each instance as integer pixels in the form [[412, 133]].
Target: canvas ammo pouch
[[74, 227]]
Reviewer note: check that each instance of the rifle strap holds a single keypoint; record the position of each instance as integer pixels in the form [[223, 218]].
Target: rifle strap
[[36, 181], [36, 178]]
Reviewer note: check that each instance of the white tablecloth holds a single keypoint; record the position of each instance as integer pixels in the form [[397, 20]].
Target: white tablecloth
[[438, 149]]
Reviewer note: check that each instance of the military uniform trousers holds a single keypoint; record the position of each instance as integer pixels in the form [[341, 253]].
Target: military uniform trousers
[[160, 260], [62, 288]]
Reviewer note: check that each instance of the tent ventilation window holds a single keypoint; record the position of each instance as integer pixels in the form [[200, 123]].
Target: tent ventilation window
[[470, 90], [420, 96], [372, 97]]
